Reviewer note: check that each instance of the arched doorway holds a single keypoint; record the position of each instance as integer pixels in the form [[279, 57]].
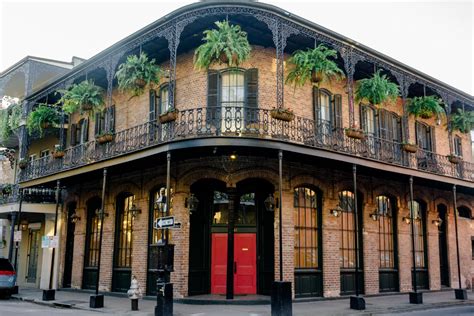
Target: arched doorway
[[91, 253], [253, 238], [443, 245], [68, 256], [421, 255]]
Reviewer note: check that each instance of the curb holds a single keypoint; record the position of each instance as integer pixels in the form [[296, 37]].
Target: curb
[[54, 304]]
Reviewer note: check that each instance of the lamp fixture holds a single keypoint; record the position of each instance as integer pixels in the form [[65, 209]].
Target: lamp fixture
[[270, 203], [406, 219], [101, 213], [233, 156], [24, 224], [375, 215], [135, 211], [336, 211], [191, 203], [74, 218], [437, 222]]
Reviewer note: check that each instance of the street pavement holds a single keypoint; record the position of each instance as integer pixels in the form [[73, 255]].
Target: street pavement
[[28, 302]]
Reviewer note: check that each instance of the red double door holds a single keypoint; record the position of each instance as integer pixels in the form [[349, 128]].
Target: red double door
[[245, 263]]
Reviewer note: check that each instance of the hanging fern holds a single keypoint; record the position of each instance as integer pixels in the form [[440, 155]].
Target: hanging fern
[[377, 90], [10, 120], [462, 121], [136, 73], [5, 130], [42, 117], [425, 107], [316, 62], [227, 44], [80, 95]]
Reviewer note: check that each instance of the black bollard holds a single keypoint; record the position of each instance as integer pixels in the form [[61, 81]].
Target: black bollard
[[281, 299], [164, 300], [134, 304]]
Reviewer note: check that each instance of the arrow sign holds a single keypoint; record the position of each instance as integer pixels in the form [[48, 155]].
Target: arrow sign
[[164, 222]]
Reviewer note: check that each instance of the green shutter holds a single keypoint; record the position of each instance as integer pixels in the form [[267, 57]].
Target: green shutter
[[337, 111], [251, 93], [212, 114], [152, 114], [316, 108], [72, 135]]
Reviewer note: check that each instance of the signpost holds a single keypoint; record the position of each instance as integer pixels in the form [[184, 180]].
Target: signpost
[[166, 222]]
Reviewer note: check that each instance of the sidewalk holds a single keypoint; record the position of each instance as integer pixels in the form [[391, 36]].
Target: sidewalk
[[387, 304]]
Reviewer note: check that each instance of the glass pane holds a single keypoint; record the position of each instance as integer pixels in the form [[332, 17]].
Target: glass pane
[[220, 208], [247, 213], [324, 107]]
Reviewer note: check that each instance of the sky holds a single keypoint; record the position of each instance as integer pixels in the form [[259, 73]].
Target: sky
[[435, 37]]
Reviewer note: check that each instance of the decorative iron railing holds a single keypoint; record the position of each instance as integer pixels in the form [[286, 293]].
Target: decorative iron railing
[[234, 121], [30, 195]]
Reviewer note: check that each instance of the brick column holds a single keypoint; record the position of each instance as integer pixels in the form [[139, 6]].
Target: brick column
[[370, 240], [331, 255], [140, 243], [451, 240], [107, 263], [404, 251], [433, 251], [79, 248], [288, 231], [180, 239]]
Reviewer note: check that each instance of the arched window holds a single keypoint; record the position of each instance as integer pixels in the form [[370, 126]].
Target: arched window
[[123, 243], [307, 251], [464, 211], [347, 248], [306, 228], [386, 237]]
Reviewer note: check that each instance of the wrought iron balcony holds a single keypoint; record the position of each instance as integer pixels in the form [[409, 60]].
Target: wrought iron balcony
[[30, 195], [242, 122]]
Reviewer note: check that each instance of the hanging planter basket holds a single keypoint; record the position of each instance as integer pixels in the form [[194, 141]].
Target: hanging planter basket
[[86, 107], [283, 114], [45, 125], [355, 133], [58, 154], [316, 76], [225, 60], [410, 148], [140, 83], [103, 139], [169, 116], [22, 164], [454, 159]]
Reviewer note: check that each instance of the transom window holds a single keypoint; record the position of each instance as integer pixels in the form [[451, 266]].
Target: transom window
[[386, 237], [306, 228]]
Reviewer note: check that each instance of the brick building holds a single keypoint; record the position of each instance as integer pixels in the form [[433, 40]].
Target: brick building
[[226, 152]]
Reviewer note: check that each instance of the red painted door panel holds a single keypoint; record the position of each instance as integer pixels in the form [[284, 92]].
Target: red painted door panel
[[245, 267], [219, 263]]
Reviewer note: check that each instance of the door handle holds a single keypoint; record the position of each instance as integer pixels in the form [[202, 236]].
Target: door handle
[[235, 267]]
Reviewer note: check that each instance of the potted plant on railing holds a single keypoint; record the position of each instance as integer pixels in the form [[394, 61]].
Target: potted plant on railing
[[83, 97], [169, 116], [454, 159], [376, 90], [410, 147], [316, 65], [462, 121], [22, 163], [355, 132], [105, 137], [282, 114], [227, 44], [425, 107], [136, 73], [41, 118], [58, 152]]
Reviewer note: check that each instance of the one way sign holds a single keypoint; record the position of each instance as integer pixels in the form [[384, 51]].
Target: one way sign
[[166, 222]]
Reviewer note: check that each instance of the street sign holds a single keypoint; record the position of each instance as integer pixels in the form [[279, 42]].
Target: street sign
[[166, 222], [17, 235]]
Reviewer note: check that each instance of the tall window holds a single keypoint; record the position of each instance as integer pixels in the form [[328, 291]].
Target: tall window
[[123, 241], [386, 237], [157, 196], [306, 228], [389, 126], [232, 88], [417, 214], [348, 246], [92, 237], [457, 146], [324, 106], [368, 120], [424, 136]]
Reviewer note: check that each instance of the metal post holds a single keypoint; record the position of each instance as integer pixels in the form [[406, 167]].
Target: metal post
[[415, 296], [50, 293], [233, 205], [18, 228], [356, 302], [97, 301], [12, 235], [281, 290], [164, 293], [460, 293]]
